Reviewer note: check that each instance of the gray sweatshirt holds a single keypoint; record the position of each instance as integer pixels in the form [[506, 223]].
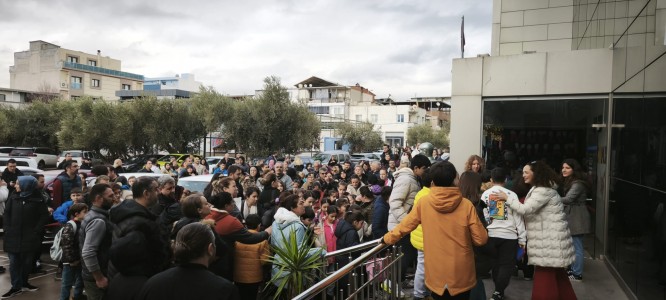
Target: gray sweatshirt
[[95, 241]]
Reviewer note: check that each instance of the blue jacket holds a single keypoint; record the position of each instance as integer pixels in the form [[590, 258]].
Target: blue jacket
[[60, 214], [380, 218]]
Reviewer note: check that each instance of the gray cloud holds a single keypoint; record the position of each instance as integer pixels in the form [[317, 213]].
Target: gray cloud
[[398, 47]]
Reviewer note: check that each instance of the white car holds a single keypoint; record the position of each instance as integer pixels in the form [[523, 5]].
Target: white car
[[45, 157], [212, 162], [195, 184], [20, 161], [79, 155]]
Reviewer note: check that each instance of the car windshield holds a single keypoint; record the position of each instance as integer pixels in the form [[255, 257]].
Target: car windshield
[[21, 152], [212, 161], [193, 186], [166, 158], [321, 157]]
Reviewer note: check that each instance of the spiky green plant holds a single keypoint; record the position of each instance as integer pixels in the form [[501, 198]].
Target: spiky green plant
[[298, 266]]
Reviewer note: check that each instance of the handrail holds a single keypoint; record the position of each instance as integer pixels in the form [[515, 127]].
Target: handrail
[[324, 283], [351, 249]]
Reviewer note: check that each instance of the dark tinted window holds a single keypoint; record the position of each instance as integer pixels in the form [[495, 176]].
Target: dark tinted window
[[6, 150], [21, 152]]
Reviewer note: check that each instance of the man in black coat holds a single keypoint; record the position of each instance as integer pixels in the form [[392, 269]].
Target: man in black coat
[[138, 249], [10, 174], [26, 213]]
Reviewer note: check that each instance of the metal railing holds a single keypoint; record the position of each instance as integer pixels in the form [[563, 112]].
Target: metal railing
[[95, 69], [375, 274]]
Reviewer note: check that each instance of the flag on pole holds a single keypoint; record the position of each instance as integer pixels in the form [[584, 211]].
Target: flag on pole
[[462, 37]]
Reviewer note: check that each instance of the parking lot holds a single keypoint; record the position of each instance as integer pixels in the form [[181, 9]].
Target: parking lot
[[49, 288]]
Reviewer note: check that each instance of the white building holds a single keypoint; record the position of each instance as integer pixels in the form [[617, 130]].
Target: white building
[[584, 80], [334, 103], [178, 86]]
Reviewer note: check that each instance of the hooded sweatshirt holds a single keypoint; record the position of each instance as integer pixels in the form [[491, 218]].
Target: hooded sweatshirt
[[451, 228]]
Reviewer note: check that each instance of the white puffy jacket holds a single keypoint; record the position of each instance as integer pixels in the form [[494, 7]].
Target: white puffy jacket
[[549, 242], [405, 188]]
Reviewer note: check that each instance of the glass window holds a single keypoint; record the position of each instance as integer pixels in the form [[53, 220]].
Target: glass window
[[359, 118], [73, 59], [95, 83], [374, 118], [401, 118], [76, 82], [92, 63]]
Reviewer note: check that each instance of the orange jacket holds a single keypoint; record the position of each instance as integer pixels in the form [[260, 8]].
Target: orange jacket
[[450, 229], [248, 261]]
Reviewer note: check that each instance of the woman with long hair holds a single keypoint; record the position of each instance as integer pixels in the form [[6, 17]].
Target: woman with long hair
[[475, 164], [470, 188], [574, 195], [550, 245]]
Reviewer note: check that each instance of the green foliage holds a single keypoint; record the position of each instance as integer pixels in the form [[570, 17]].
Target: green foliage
[[147, 125], [360, 136], [425, 133], [270, 122], [297, 267]]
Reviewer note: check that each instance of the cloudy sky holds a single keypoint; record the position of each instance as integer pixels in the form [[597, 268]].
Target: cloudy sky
[[401, 48]]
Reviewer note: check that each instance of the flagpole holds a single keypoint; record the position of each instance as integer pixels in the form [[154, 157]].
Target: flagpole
[[462, 37]]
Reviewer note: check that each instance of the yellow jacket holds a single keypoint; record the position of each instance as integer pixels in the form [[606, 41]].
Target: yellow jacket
[[417, 235], [248, 260], [451, 228]]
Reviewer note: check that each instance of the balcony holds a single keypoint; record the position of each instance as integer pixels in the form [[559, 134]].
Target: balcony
[[75, 85], [93, 69]]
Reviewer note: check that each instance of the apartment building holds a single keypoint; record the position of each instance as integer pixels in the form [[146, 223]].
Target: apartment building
[[49, 68], [170, 87], [579, 79]]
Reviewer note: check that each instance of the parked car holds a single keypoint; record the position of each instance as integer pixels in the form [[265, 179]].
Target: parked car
[[4, 151], [180, 158], [45, 157], [79, 155], [196, 184], [139, 175], [325, 156], [27, 171], [369, 157], [20, 161], [137, 162], [212, 162]]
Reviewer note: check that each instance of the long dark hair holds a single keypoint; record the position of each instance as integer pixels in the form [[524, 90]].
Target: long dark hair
[[543, 176], [470, 186], [577, 175]]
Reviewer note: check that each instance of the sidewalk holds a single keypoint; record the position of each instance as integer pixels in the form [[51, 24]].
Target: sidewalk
[[598, 283]]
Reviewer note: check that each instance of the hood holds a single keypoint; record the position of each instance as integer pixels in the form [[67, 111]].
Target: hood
[[342, 227], [128, 209], [284, 217], [444, 199], [27, 185], [403, 172]]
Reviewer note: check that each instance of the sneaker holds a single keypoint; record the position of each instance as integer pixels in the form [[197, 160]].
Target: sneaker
[[29, 288], [497, 296], [573, 277], [408, 284], [527, 278], [12, 293]]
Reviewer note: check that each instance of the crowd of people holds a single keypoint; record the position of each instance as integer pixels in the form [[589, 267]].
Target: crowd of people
[[164, 242]]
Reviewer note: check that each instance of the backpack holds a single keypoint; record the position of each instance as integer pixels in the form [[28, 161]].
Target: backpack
[[56, 249]]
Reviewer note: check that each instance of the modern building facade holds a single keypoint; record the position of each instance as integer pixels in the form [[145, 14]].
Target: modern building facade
[[178, 86], [17, 98], [586, 80], [49, 68]]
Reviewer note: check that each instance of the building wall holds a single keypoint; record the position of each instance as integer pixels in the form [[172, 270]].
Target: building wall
[[531, 25], [41, 69]]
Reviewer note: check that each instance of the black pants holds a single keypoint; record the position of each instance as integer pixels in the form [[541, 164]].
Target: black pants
[[248, 290], [409, 256], [461, 296], [504, 262]]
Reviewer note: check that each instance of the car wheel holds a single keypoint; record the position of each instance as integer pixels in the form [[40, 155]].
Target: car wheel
[[41, 165]]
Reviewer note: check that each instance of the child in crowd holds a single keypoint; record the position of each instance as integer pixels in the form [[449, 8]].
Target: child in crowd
[[326, 238], [71, 254], [60, 214], [248, 272]]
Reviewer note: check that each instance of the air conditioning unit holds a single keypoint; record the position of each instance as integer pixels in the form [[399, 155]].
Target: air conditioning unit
[[63, 85]]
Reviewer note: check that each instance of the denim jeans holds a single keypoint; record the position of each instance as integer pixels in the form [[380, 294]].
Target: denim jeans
[[20, 265], [420, 289], [71, 276], [478, 292], [577, 266]]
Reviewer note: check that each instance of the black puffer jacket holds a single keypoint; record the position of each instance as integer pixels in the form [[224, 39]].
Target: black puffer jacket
[[162, 203], [169, 216], [24, 221], [137, 247]]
